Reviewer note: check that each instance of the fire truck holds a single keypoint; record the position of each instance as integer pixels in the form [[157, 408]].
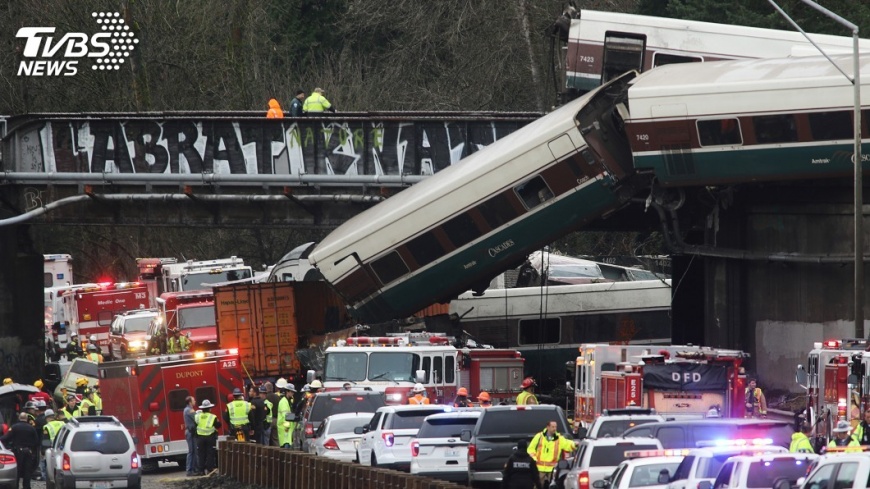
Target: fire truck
[[394, 363], [189, 313], [148, 396], [834, 380], [675, 380], [90, 310]]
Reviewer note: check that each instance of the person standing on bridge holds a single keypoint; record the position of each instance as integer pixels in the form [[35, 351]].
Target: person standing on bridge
[[296, 104], [756, 404], [275, 111], [317, 103]]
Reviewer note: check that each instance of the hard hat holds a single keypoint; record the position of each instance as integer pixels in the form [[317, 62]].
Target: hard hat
[[290, 387], [238, 392], [262, 389], [842, 427], [418, 387], [281, 383], [528, 382], [92, 338], [74, 335], [462, 391], [71, 397], [483, 396], [316, 385], [49, 413], [81, 381], [7, 381], [92, 347], [38, 384], [29, 405], [306, 388], [40, 404], [88, 392]]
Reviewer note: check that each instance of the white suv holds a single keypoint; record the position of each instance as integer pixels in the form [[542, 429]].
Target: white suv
[[594, 460], [770, 470], [386, 440], [128, 336], [437, 451], [703, 464], [94, 452]]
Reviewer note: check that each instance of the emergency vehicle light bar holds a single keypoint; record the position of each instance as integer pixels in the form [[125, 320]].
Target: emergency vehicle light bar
[[672, 452], [846, 449], [735, 443]]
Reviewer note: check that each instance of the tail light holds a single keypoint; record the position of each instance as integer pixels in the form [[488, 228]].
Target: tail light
[[7, 459], [472, 453], [415, 448], [134, 461], [395, 395], [583, 480], [330, 444], [66, 465], [389, 439], [309, 430]]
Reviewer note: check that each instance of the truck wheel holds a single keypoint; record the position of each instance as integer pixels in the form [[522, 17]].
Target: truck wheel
[[149, 466]]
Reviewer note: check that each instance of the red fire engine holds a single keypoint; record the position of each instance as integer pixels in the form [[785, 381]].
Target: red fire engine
[[674, 380], [831, 394], [90, 310], [191, 314], [148, 396], [391, 364]]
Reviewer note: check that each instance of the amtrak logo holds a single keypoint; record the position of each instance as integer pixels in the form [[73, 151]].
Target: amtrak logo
[[108, 48]]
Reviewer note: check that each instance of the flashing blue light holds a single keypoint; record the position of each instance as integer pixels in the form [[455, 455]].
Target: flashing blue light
[[448, 409], [98, 434], [767, 464], [798, 462]]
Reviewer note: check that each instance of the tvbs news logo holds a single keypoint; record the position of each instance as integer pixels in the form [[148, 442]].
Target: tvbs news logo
[[106, 49]]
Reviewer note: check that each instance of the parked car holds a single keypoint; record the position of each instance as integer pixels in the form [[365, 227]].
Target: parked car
[[8, 468], [772, 470], [693, 433], [93, 452], [494, 438], [838, 471], [595, 460], [335, 439], [703, 464], [438, 451], [646, 471], [326, 404], [614, 422], [79, 368], [386, 439], [128, 336]]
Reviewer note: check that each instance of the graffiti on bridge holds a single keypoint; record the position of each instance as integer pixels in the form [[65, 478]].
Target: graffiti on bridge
[[337, 147]]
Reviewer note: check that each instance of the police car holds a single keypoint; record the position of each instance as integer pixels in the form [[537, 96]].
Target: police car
[[594, 460], [839, 470], [703, 464], [643, 468], [386, 439], [438, 451], [756, 471]]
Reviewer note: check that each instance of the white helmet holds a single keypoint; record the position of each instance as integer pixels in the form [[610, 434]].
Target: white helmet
[[281, 383], [418, 387]]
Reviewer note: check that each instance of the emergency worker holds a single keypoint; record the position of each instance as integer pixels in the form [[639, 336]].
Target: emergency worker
[[96, 399], [49, 431], [546, 448], [485, 400], [520, 471], [842, 438], [462, 398], [800, 441], [527, 396], [94, 354], [257, 416], [206, 437], [71, 410], [756, 404], [41, 395], [87, 406], [172, 345], [275, 111], [237, 414], [30, 410], [419, 396], [184, 342], [74, 348], [285, 406], [81, 385], [274, 398], [317, 103], [23, 440], [862, 431], [189, 416]]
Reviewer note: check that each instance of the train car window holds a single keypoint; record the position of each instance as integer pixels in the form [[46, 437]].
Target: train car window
[[778, 128], [534, 192], [719, 132], [497, 210], [461, 230], [829, 126], [389, 267], [425, 248], [537, 331], [623, 52], [661, 59]]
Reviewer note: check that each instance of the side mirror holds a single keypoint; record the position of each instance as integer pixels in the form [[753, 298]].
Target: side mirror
[[599, 484], [359, 430], [800, 376], [664, 477], [465, 435], [705, 485], [309, 376], [563, 464], [420, 376]]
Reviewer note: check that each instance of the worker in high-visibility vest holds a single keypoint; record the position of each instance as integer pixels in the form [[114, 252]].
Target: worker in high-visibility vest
[[843, 438], [71, 410], [547, 448], [88, 407], [527, 396], [285, 406], [94, 354], [237, 413], [317, 103], [49, 431], [800, 441], [419, 396], [206, 437]]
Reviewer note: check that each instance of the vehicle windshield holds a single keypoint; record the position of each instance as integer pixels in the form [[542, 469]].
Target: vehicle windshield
[[196, 281], [617, 427], [613, 455], [346, 425], [386, 366], [137, 324], [196, 317], [648, 475], [509, 422], [408, 420], [765, 473], [83, 367], [327, 405], [445, 427], [708, 467], [105, 442]]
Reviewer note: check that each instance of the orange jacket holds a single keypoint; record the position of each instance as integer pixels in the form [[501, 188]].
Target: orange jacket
[[275, 111]]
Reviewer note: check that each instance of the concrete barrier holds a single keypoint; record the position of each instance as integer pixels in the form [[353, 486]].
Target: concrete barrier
[[279, 468]]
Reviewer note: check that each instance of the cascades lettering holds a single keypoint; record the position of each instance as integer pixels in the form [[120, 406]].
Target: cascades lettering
[[495, 250]]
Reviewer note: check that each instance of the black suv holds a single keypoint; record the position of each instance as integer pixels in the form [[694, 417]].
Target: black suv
[[499, 428], [328, 403]]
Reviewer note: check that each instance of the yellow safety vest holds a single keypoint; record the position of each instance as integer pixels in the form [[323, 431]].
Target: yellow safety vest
[[239, 410], [547, 453], [316, 103], [268, 405], [95, 357], [526, 397], [184, 343], [205, 424], [51, 428], [85, 407], [75, 413], [285, 428], [800, 443], [98, 403]]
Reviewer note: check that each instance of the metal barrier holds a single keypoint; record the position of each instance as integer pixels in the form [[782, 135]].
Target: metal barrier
[[278, 468]]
